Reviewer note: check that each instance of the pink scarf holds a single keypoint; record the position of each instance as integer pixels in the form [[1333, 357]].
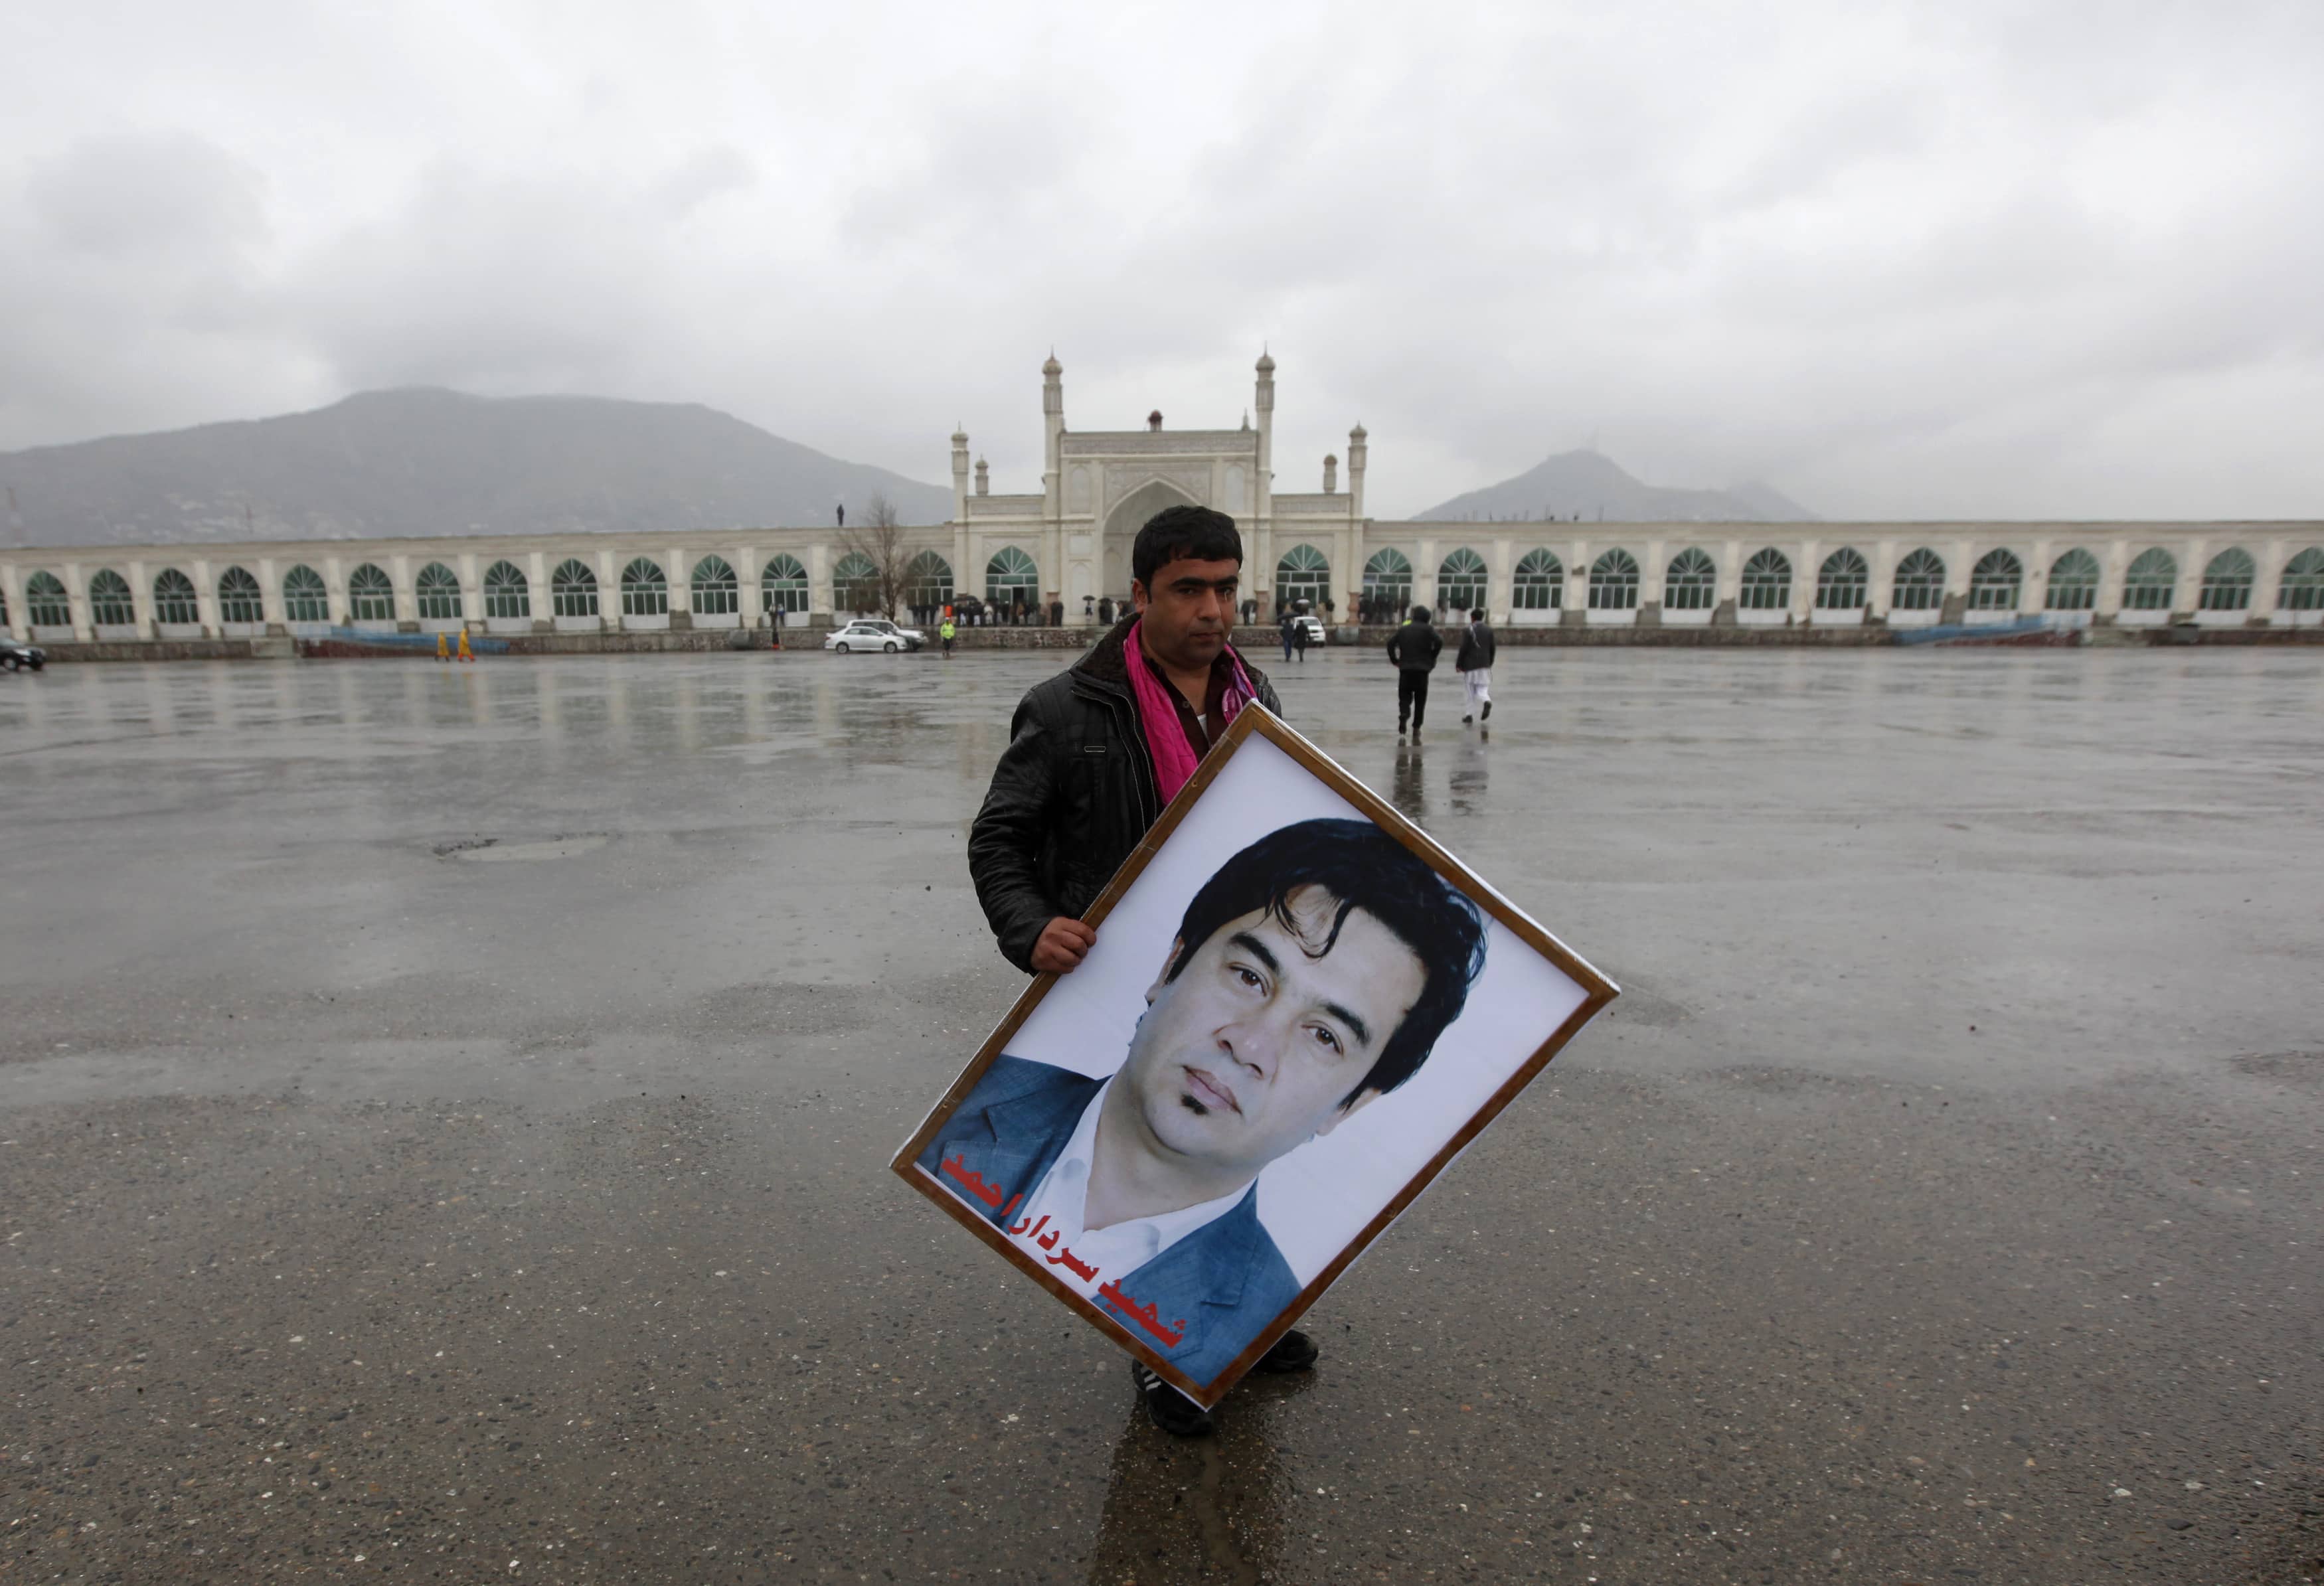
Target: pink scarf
[[1166, 737]]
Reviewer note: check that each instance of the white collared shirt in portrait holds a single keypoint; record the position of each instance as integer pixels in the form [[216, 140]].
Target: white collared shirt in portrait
[[1051, 1217]]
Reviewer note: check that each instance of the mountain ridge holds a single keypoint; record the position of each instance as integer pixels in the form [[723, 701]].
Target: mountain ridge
[[415, 461], [1589, 483]]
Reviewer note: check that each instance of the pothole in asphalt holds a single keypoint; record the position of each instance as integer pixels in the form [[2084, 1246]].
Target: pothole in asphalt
[[493, 850]]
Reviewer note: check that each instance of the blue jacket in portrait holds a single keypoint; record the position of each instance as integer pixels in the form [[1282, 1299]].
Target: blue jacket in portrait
[[1226, 1281]]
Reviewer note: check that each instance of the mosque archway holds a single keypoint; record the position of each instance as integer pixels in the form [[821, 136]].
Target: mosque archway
[[1130, 514]]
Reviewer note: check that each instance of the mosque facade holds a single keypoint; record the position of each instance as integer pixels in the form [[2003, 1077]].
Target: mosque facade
[[1062, 550]]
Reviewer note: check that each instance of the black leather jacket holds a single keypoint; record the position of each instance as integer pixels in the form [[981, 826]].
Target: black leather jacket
[[1073, 795]]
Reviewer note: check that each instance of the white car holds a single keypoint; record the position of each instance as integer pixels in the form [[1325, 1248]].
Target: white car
[[1315, 631], [874, 634]]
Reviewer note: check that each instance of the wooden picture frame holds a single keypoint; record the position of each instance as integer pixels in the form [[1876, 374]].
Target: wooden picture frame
[[1256, 721]]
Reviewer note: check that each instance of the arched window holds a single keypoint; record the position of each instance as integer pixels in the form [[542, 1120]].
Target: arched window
[[1461, 581], [2228, 582], [1304, 574], [783, 585], [645, 593], [854, 584], [1994, 582], [1690, 583], [1614, 582], [2150, 581], [928, 580], [717, 592], [46, 604], [572, 589], [1844, 583], [2073, 582], [174, 600], [1011, 576], [371, 595], [1919, 582], [1767, 582], [1388, 585], [438, 589], [2304, 583], [306, 598], [508, 592], [240, 599], [1540, 585], [110, 605]]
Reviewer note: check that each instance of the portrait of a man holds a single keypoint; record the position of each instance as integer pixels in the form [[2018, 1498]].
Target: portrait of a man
[[1310, 976]]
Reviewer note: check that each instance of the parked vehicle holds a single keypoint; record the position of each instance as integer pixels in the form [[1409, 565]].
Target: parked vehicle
[[17, 658], [874, 634], [1316, 632]]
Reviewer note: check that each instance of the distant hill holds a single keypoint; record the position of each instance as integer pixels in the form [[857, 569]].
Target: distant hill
[[423, 461], [1595, 486]]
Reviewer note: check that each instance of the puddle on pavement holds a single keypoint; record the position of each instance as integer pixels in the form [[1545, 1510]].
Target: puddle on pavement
[[493, 851]]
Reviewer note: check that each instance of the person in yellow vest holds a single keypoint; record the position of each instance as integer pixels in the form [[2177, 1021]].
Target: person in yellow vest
[[946, 632], [443, 652], [465, 653]]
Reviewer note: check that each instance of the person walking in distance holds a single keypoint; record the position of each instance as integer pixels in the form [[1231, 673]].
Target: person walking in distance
[[1299, 639], [1095, 754], [1413, 649], [947, 632], [1284, 630], [1475, 665]]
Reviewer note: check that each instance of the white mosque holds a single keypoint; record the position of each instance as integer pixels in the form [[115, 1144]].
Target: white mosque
[[1067, 545]]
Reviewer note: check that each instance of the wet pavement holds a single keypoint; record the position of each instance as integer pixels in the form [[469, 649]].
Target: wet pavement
[[443, 1118]]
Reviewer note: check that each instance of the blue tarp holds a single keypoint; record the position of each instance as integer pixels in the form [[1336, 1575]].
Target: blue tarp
[[1960, 632], [477, 643]]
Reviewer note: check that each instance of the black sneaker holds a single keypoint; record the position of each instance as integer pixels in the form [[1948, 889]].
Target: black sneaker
[[1169, 1408], [1489, 710], [1294, 1352]]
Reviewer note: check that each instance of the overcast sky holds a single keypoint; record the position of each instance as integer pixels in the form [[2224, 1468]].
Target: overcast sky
[[2004, 259]]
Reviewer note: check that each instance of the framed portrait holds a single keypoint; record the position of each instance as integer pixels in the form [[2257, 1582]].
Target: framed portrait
[[1298, 1011]]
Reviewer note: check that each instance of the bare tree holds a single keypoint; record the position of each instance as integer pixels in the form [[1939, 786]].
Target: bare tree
[[878, 540]]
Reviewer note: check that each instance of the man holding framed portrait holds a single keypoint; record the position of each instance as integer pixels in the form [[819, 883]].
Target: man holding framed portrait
[[1095, 753], [1300, 1012]]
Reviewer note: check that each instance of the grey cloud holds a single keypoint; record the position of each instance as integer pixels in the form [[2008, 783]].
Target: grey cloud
[[134, 267], [1896, 259], [146, 192], [702, 177], [986, 158], [497, 284]]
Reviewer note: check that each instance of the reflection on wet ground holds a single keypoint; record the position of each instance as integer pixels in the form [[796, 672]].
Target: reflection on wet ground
[[468, 1088], [1408, 789], [1206, 1509]]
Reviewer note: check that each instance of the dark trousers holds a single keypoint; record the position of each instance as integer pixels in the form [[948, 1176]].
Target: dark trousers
[[1411, 697]]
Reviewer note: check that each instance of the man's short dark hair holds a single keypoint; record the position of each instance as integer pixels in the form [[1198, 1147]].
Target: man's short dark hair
[[1183, 534], [1359, 866], [1478, 615], [1420, 613]]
